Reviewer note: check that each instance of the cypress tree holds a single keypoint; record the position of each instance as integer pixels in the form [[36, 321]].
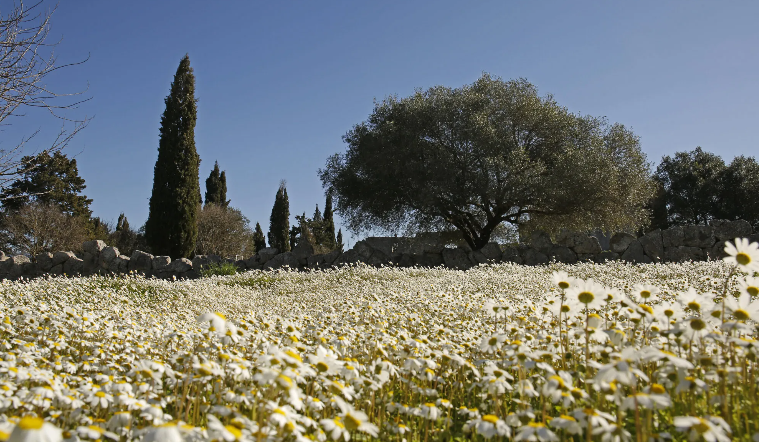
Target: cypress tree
[[213, 185], [339, 245], [259, 242], [279, 222], [329, 224], [317, 215], [172, 225], [223, 189]]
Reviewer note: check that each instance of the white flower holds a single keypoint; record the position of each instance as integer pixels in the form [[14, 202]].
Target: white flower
[[588, 293], [163, 433], [711, 428], [488, 426], [744, 255], [742, 308], [354, 419], [535, 431], [35, 429]]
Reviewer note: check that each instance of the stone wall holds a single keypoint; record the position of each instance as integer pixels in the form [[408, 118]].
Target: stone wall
[[677, 244]]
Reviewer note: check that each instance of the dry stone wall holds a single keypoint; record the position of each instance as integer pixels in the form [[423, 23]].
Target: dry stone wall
[[677, 244]]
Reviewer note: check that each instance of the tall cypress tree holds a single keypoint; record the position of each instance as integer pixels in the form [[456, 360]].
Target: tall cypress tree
[[213, 186], [223, 189], [339, 245], [259, 242], [279, 222], [329, 224], [172, 226]]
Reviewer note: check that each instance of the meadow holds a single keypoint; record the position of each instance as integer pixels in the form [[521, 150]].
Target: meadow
[[602, 352]]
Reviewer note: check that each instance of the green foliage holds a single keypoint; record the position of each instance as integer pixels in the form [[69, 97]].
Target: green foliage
[[171, 228], [279, 222], [487, 153], [739, 190], [691, 182], [48, 179], [339, 245], [124, 238], [218, 269], [216, 187], [259, 241]]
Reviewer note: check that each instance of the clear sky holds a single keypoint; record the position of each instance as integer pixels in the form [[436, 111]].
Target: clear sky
[[280, 82]]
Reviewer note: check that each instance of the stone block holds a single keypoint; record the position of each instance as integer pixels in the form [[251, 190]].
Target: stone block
[[90, 263], [456, 258], [44, 261], [423, 260], [698, 236], [653, 245], [61, 257], [532, 257], [635, 254], [57, 270], [562, 254], [511, 254], [141, 261], [492, 252], [282, 260], [606, 255], [586, 245], [179, 266], [541, 242], [160, 263], [93, 247], [73, 266], [108, 256], [725, 230], [266, 254], [620, 241]]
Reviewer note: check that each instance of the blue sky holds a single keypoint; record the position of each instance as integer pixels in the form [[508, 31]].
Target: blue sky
[[279, 83]]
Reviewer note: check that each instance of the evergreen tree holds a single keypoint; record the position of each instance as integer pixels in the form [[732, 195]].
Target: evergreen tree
[[124, 238], [122, 225], [317, 215], [258, 238], [279, 222], [328, 229], [172, 226], [216, 187], [48, 179], [339, 245]]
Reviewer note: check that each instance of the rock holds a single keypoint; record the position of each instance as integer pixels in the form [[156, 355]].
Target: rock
[[585, 244], [3, 256], [302, 251], [180, 265], [586, 257], [73, 266], [427, 259], [141, 261], [717, 251], [511, 254], [456, 258], [90, 263], [44, 261], [93, 247], [606, 255], [407, 260], [694, 253], [266, 254], [541, 242], [652, 244], [20, 259], [386, 245], [281, 260], [492, 252], [332, 256], [674, 254], [57, 270], [635, 254], [5, 264], [698, 236], [241, 264], [378, 258], [477, 257], [673, 237], [683, 253], [108, 256], [363, 250], [349, 257], [620, 241], [62, 257], [532, 257], [122, 263], [160, 263], [562, 254], [725, 230]]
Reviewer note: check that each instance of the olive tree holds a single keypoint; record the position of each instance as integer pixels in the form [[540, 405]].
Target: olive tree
[[487, 153], [224, 231]]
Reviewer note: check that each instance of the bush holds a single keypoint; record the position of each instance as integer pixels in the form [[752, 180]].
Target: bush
[[224, 231], [42, 227], [218, 269]]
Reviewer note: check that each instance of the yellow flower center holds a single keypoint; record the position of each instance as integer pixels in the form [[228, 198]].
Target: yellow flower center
[[100, 394], [563, 285], [585, 297], [743, 259], [701, 427], [645, 294], [697, 324], [493, 341], [31, 423], [234, 430], [322, 366], [693, 305], [658, 389], [753, 291], [490, 418], [740, 314], [351, 422]]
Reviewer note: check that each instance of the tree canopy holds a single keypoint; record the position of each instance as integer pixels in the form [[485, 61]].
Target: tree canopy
[[48, 179], [172, 227], [216, 187], [474, 157]]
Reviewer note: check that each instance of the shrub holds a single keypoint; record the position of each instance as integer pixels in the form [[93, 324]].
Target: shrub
[[218, 269]]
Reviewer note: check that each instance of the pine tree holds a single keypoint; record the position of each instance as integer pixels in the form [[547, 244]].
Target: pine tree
[[328, 224], [259, 241], [172, 226], [339, 245], [279, 222], [48, 179]]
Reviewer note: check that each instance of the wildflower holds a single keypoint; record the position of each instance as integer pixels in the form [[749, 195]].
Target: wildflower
[[744, 255], [647, 401], [218, 322], [491, 344], [354, 419], [749, 285], [646, 292], [566, 423], [163, 433], [562, 280], [336, 429], [535, 431], [35, 429], [710, 428], [742, 308], [488, 426], [219, 431], [589, 293]]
